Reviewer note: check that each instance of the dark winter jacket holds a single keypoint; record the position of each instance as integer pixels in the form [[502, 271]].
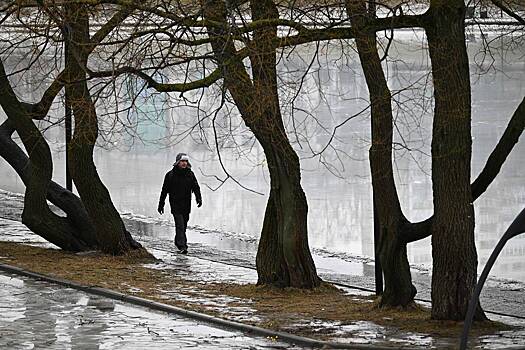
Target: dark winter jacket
[[179, 184]]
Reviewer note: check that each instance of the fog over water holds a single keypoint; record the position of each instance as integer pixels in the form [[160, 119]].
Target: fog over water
[[337, 183]]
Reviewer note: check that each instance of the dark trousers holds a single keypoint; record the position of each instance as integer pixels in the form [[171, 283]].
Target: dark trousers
[[181, 222]]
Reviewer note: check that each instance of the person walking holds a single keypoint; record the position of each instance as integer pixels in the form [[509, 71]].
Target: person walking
[[179, 183]]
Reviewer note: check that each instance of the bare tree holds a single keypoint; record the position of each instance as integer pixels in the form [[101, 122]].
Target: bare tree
[[449, 297], [231, 43], [92, 223], [236, 44]]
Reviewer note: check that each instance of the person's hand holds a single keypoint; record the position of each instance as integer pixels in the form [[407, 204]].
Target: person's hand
[[160, 210], [199, 203]]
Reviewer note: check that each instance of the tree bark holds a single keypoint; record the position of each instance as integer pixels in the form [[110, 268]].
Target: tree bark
[[495, 161], [283, 257], [36, 214], [453, 247], [56, 194], [399, 290], [110, 230]]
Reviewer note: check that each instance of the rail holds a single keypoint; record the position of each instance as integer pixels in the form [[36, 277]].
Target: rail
[[517, 227]]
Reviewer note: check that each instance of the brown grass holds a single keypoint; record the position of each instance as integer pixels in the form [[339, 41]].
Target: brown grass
[[280, 309]]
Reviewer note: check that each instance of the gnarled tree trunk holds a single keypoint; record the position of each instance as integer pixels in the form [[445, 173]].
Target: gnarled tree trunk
[[62, 198], [38, 170], [283, 257], [77, 231]]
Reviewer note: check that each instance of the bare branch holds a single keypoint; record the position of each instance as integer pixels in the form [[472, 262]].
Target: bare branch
[[109, 26], [500, 153], [508, 11], [161, 87]]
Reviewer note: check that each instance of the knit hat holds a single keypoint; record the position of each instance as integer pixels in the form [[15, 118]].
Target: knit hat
[[182, 156]]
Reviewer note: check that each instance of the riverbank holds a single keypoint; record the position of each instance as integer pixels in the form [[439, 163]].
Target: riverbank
[[218, 278], [326, 313]]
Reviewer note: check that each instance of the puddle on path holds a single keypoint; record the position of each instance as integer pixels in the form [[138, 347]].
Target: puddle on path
[[35, 314]]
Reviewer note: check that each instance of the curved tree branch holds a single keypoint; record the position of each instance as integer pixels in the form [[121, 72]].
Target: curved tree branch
[[36, 214], [508, 11], [109, 26], [161, 87], [56, 194], [500, 153], [421, 230]]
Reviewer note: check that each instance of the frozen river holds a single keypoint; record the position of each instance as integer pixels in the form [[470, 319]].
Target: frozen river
[[337, 184]]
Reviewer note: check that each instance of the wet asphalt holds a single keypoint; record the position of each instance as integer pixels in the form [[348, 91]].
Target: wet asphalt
[[36, 314], [41, 315]]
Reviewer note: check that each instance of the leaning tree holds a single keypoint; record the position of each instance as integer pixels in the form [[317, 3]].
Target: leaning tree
[[283, 257], [91, 221]]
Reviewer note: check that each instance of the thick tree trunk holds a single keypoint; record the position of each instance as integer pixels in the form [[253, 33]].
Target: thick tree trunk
[[290, 263], [283, 257], [399, 289], [453, 247], [111, 232], [36, 214], [62, 198]]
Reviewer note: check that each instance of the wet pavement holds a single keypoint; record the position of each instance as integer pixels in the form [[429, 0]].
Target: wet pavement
[[214, 257], [36, 314], [209, 265], [499, 295]]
